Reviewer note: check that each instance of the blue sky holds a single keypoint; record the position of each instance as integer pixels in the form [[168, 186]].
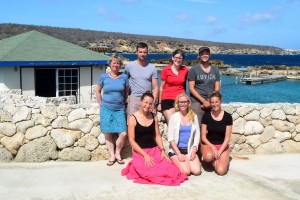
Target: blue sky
[[262, 22]]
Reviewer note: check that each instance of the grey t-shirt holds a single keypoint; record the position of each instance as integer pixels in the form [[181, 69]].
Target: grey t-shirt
[[204, 82], [140, 78]]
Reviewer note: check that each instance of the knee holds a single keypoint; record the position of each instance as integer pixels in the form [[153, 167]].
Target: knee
[[196, 172], [208, 157], [186, 171], [221, 170]]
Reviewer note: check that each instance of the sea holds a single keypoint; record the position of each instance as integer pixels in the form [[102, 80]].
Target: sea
[[287, 91]]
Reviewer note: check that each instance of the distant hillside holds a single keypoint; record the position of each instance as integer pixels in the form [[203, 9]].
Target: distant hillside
[[122, 42]]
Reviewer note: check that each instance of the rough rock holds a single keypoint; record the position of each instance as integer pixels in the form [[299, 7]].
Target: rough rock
[[278, 114], [7, 129], [268, 134], [291, 146], [254, 141], [35, 132], [63, 109], [79, 113], [239, 126], [273, 146], [22, 114], [253, 116], [244, 110], [283, 126], [39, 150], [253, 127], [13, 143], [100, 153], [24, 125], [95, 131], [5, 155], [49, 112], [64, 138], [85, 125], [293, 119], [101, 139], [81, 154], [41, 120], [61, 122], [265, 112], [282, 136]]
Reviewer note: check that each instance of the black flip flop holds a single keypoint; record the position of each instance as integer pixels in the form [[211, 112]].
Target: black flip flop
[[111, 162]]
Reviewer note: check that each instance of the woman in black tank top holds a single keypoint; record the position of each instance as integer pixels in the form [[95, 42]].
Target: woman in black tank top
[[149, 163]]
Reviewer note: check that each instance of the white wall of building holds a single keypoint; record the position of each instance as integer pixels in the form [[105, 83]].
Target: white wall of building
[[28, 87], [9, 78]]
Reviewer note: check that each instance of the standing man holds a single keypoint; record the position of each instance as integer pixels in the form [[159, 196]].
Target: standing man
[[142, 77], [203, 80]]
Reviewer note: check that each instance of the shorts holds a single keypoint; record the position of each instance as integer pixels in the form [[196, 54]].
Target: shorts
[[218, 146], [112, 121], [133, 105], [182, 150], [167, 104]]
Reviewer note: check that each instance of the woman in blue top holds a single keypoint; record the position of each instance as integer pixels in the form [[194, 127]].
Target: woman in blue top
[[114, 88], [184, 136]]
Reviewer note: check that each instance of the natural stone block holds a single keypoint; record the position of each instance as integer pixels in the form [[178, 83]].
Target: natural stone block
[[269, 133], [253, 116], [22, 114], [265, 112], [93, 110], [5, 155], [12, 144], [91, 143], [66, 154], [266, 121], [84, 125], [282, 136], [101, 139], [63, 109], [293, 119], [235, 116], [289, 109], [61, 122], [41, 120], [283, 126], [35, 132], [100, 153], [297, 137], [253, 140], [242, 149], [77, 114], [298, 128], [5, 116], [8, 129], [65, 138], [95, 131], [291, 146], [24, 125], [81, 154], [49, 112], [272, 146], [239, 126], [278, 114], [244, 110], [237, 139], [38, 150], [253, 127]]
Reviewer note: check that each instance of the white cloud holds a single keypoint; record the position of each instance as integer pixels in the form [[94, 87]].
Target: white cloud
[[182, 17], [102, 11], [211, 20], [267, 15]]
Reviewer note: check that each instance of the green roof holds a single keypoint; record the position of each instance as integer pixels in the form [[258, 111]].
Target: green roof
[[34, 46]]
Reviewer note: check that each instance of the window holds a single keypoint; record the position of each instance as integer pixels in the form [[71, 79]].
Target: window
[[67, 82]]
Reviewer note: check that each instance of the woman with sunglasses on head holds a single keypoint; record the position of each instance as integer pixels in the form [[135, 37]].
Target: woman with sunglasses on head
[[149, 164], [184, 137], [173, 82], [215, 135]]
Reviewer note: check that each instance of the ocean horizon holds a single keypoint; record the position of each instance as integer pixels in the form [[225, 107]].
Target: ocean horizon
[[287, 91]]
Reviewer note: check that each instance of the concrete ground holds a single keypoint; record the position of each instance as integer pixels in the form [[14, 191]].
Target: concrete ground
[[275, 176]]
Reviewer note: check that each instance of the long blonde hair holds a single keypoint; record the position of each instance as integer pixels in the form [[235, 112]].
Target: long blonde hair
[[190, 114]]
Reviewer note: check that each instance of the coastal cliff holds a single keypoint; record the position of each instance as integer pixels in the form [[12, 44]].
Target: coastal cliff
[[103, 41]]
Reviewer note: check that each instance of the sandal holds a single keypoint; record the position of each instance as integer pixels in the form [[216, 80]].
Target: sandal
[[120, 161], [111, 162]]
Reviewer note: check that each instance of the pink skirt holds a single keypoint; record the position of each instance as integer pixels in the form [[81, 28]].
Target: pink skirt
[[162, 172]]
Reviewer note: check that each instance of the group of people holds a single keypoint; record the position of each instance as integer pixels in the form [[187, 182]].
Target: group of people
[[186, 117]]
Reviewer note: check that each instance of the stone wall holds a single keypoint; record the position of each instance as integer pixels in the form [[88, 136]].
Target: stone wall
[[36, 132]]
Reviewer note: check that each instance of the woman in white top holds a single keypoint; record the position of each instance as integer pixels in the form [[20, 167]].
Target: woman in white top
[[184, 137]]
